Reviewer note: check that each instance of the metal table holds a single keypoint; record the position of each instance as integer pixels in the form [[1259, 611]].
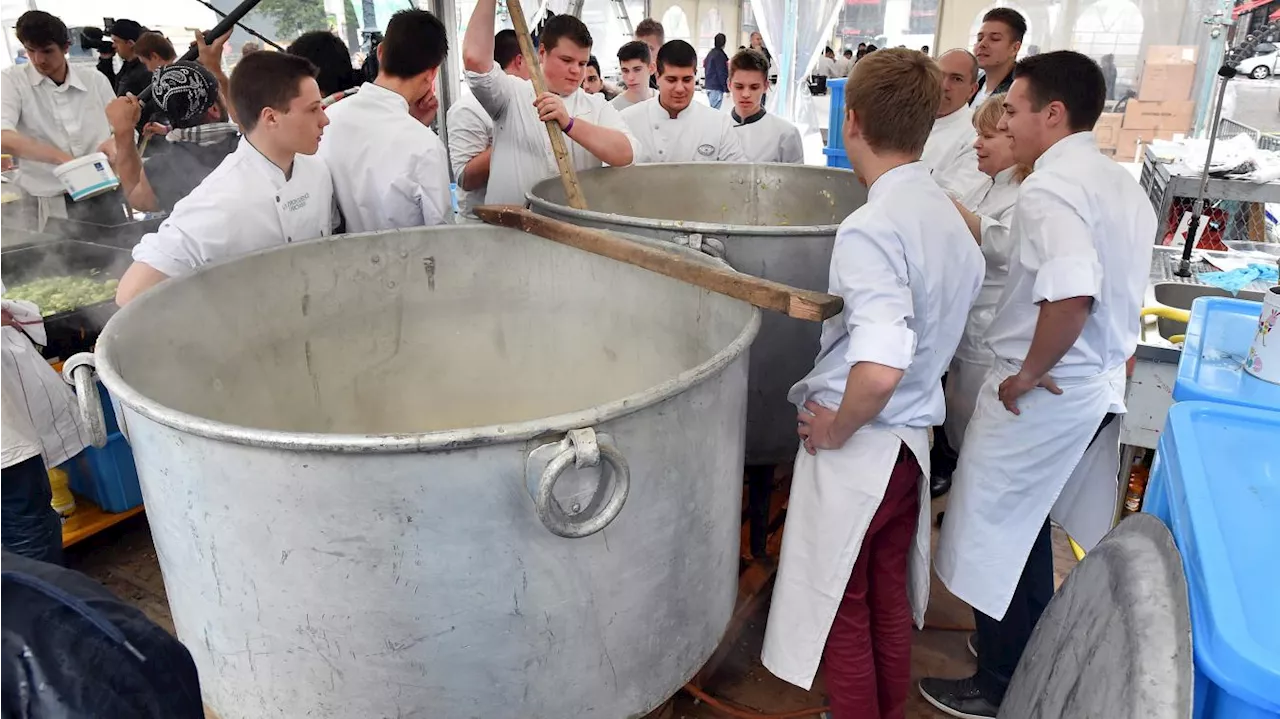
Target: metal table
[[1167, 188]]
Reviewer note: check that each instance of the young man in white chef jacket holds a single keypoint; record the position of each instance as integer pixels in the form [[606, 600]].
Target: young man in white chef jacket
[[855, 557], [389, 168], [1044, 438], [949, 152], [594, 132], [471, 129], [635, 61], [672, 127], [270, 191], [765, 137], [53, 112]]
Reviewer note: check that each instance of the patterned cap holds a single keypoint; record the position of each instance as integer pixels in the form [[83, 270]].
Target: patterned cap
[[185, 91]]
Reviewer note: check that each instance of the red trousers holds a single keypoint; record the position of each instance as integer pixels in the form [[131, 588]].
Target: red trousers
[[867, 659]]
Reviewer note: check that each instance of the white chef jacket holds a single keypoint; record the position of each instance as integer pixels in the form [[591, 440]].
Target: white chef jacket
[[698, 134], [949, 153], [40, 394], [843, 66], [826, 67], [968, 370], [908, 269], [765, 137], [470, 133], [244, 205], [71, 117], [522, 154], [389, 170], [1082, 227]]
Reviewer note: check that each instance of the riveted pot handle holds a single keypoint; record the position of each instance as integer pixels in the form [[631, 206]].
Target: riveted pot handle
[[697, 241], [79, 373], [582, 448]]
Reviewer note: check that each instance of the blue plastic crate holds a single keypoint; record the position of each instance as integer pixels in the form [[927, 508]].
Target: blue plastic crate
[[1216, 485], [107, 477], [1219, 334], [837, 158], [835, 117]]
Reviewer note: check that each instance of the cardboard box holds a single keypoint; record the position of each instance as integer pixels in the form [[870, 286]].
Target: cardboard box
[[1127, 142], [1166, 82], [1174, 115], [1171, 54], [1106, 129]]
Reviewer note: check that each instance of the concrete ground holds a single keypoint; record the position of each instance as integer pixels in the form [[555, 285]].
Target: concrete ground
[[124, 560]]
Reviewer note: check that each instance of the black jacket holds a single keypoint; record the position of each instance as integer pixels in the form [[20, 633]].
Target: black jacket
[[1002, 87], [133, 76]]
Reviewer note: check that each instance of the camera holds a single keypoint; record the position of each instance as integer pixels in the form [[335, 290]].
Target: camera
[[94, 38]]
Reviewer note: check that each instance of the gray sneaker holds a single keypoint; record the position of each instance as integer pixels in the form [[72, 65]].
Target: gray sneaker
[[960, 698]]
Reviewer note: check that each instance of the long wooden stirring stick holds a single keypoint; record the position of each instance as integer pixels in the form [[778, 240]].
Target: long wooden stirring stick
[[567, 174], [765, 294]]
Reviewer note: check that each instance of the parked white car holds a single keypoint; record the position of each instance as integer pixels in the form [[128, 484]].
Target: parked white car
[[1262, 65]]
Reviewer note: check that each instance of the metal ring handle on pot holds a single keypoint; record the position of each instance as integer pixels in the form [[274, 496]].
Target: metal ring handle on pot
[[582, 450], [79, 372]]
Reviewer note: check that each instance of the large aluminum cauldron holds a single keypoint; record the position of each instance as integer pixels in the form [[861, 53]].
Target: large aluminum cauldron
[[385, 474], [773, 221]]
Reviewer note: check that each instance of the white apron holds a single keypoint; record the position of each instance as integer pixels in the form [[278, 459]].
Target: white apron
[[834, 496], [1016, 469]]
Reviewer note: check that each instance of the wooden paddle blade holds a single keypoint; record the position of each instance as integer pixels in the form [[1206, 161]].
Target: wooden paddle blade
[[765, 294]]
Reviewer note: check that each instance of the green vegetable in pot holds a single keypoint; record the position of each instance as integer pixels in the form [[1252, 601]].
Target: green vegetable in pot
[[63, 294]]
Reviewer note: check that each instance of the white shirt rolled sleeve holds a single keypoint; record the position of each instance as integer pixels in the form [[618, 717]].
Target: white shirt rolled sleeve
[[1059, 243], [877, 304], [470, 133]]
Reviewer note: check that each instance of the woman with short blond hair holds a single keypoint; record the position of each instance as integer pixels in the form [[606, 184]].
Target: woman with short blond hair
[[989, 221]]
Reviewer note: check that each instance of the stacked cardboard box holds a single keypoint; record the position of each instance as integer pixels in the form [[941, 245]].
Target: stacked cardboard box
[[1162, 109]]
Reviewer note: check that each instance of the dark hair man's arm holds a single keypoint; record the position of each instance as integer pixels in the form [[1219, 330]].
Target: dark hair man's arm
[[477, 44]]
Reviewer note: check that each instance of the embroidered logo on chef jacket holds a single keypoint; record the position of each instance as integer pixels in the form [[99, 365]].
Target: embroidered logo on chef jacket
[[297, 203], [706, 150]]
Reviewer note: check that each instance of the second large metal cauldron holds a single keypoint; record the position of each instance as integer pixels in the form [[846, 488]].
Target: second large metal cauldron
[[778, 222]]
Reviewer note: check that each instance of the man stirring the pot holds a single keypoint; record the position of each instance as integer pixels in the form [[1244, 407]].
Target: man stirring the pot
[[594, 132]]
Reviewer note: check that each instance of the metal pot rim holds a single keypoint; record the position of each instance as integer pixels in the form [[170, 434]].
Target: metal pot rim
[[680, 226], [187, 423]]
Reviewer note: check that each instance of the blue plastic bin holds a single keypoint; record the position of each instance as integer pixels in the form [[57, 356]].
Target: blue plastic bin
[[1212, 365], [1216, 485], [837, 158], [835, 118]]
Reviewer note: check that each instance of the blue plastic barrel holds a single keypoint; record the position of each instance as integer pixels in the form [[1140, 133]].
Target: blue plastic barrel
[[1216, 485], [835, 118]]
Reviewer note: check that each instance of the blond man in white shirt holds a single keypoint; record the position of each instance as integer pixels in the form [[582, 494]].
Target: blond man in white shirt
[[389, 168], [53, 112], [672, 127], [854, 571], [949, 152], [272, 190], [471, 129], [1044, 440], [594, 133], [765, 137]]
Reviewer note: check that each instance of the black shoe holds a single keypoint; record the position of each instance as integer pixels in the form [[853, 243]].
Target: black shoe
[[959, 698], [939, 486]]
